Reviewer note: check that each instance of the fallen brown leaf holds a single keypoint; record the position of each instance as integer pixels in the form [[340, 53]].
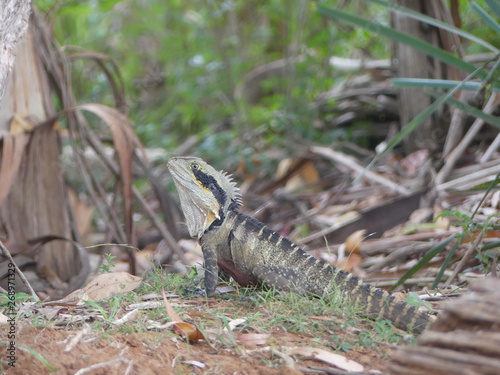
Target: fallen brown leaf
[[181, 328], [353, 241], [106, 285], [348, 264]]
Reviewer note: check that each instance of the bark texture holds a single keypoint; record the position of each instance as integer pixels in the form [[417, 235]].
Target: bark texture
[[411, 63], [14, 16], [464, 340], [36, 204]]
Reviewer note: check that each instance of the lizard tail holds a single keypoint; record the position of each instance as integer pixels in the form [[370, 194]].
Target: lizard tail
[[321, 279], [378, 303]]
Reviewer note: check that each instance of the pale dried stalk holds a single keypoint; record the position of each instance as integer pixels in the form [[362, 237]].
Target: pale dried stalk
[[466, 141], [352, 164]]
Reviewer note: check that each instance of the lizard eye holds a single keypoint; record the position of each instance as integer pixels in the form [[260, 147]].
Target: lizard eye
[[195, 166]]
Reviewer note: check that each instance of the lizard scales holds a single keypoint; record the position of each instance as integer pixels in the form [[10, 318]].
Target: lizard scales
[[251, 253]]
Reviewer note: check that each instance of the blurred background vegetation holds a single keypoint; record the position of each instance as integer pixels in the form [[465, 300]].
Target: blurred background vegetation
[[184, 63]]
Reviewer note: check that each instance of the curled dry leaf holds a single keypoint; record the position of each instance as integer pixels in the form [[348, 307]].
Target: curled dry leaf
[[170, 311], [181, 328], [189, 331], [354, 240], [106, 285], [326, 357], [348, 264], [349, 257]]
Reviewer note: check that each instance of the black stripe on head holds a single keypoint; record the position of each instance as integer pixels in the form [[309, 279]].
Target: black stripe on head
[[211, 184]]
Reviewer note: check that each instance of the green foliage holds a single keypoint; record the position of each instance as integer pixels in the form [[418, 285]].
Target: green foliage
[[18, 297], [108, 263], [489, 78], [107, 311], [470, 229], [182, 62]]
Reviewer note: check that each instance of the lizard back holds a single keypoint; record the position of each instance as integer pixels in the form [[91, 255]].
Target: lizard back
[[280, 263]]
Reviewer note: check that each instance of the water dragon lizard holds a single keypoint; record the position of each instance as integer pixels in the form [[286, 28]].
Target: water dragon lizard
[[251, 253]]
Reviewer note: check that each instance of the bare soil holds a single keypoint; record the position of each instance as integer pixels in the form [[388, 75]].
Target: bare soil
[[163, 352]]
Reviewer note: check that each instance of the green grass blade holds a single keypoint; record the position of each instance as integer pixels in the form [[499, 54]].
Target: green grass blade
[[492, 77], [490, 21], [494, 6], [483, 198], [388, 32], [491, 245], [432, 21], [446, 262], [476, 112], [38, 356], [438, 248], [436, 83], [34, 354]]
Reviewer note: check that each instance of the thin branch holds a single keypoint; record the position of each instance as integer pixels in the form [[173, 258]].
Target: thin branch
[[21, 275], [465, 258]]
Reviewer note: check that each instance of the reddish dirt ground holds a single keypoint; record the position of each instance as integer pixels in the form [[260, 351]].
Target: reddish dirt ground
[[162, 353]]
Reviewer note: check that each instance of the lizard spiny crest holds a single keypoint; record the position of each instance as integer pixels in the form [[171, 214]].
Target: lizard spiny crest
[[206, 195]]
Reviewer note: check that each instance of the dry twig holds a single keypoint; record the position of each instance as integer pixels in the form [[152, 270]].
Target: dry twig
[[20, 273]]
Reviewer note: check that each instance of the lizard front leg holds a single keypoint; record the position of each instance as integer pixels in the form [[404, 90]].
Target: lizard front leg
[[211, 267]]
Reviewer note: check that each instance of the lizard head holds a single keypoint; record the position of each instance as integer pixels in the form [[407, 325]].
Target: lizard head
[[206, 194]]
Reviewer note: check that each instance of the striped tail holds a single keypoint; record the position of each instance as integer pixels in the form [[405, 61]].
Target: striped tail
[[378, 303]]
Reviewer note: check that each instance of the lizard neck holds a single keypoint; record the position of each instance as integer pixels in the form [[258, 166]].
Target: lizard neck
[[232, 209]]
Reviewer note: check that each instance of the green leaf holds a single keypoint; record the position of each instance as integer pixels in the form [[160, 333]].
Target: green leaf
[[490, 246], [494, 6], [388, 32], [490, 21], [35, 354], [483, 198], [446, 262], [432, 21], [426, 259], [438, 83]]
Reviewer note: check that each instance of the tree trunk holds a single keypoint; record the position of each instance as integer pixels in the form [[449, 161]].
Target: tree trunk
[[411, 63], [36, 204], [14, 16]]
